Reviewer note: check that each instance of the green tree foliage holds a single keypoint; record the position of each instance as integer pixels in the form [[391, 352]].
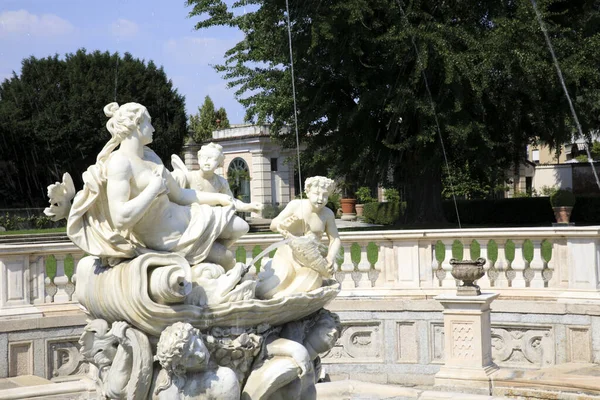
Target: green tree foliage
[[208, 120], [379, 82], [52, 119]]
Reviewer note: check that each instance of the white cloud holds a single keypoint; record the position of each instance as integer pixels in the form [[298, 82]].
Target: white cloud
[[23, 22], [124, 28]]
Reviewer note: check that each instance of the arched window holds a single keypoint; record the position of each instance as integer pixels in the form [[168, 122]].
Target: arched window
[[238, 176]]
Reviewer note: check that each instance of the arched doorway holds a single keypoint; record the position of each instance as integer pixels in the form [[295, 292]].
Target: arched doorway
[[238, 176]]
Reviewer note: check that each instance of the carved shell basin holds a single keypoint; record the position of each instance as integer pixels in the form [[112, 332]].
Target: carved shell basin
[[467, 270], [120, 293]]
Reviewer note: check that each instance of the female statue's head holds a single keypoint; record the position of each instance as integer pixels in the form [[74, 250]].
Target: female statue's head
[[124, 121], [210, 157]]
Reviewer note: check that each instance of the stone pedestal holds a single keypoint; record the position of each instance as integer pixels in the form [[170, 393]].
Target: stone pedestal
[[348, 217], [467, 343]]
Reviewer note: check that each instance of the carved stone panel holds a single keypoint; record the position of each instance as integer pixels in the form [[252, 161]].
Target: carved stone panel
[[64, 360], [436, 343], [20, 355], [407, 342], [579, 344], [463, 337], [360, 342], [523, 346]]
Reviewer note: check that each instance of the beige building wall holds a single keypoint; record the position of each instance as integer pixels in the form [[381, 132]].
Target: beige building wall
[[553, 176], [541, 154]]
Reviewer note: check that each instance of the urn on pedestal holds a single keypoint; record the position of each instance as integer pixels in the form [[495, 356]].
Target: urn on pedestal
[[468, 271]]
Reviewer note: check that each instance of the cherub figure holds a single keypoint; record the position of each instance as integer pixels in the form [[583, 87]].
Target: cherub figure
[[291, 366], [210, 157], [301, 265], [187, 371]]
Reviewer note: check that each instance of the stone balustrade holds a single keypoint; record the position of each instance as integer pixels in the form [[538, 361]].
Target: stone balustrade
[[548, 311], [520, 261]]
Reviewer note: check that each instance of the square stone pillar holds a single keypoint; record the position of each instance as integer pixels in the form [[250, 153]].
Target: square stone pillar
[[467, 341]]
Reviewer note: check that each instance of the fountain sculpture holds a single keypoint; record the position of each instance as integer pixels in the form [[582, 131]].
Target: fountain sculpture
[[171, 314]]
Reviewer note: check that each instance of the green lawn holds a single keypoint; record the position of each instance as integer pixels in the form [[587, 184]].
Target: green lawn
[[34, 231]]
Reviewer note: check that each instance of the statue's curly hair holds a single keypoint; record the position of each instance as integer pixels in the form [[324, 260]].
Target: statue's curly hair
[[172, 347], [215, 147], [321, 181], [122, 121]]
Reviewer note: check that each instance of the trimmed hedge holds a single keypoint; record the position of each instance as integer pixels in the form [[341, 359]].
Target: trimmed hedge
[[27, 218], [519, 211], [383, 213]]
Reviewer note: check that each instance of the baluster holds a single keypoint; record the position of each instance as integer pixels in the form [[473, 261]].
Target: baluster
[[61, 280], [438, 255], [536, 265], [547, 268], [347, 267], [501, 265], [484, 282], [519, 265], [69, 267], [50, 271], [363, 267], [374, 253], [449, 280]]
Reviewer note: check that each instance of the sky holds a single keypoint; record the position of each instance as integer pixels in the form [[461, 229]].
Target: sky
[[157, 30]]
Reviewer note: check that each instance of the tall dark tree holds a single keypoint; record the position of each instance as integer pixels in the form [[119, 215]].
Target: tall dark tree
[[381, 83], [52, 119], [207, 120]]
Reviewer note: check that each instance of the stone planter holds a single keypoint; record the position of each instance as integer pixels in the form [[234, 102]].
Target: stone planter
[[348, 206], [348, 209], [468, 271], [562, 214], [360, 209]]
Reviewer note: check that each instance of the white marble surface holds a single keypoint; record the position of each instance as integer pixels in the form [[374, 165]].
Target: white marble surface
[[160, 265]]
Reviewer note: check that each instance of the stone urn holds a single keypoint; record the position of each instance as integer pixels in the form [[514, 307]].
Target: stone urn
[[468, 271], [360, 210], [562, 214]]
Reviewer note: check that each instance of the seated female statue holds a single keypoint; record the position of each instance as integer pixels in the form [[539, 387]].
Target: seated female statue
[[131, 204]]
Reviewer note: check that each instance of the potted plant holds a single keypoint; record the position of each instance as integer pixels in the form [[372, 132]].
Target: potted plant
[[562, 202], [363, 196], [347, 202]]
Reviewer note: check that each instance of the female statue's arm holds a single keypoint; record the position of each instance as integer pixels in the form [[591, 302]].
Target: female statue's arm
[[126, 212], [185, 197]]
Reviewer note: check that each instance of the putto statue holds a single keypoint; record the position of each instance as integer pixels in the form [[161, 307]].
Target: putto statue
[[210, 157], [302, 265], [172, 314]]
